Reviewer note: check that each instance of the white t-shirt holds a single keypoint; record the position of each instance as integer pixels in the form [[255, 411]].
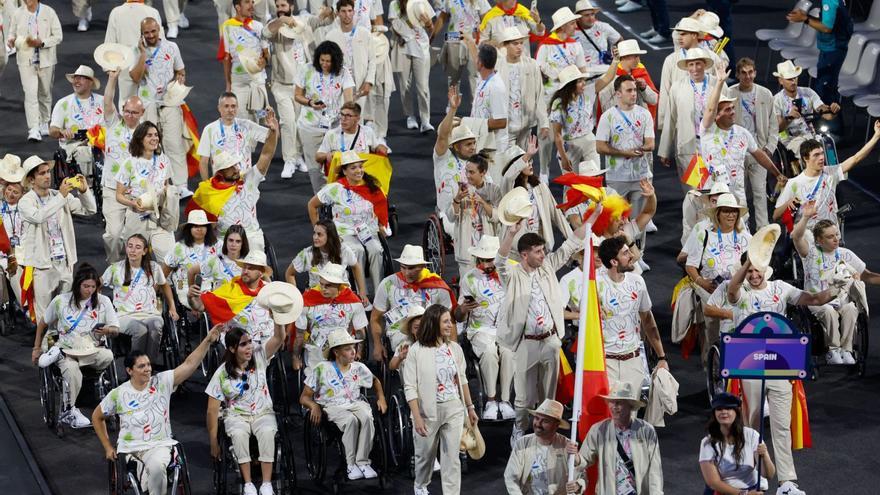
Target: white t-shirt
[[725, 153], [302, 263], [350, 210], [327, 88], [333, 387], [464, 15], [363, 140], [489, 293], [324, 319], [539, 317], [417, 41], [817, 263], [738, 475], [116, 143], [774, 297], [449, 172], [393, 299], [139, 175], [514, 97], [74, 114], [577, 120], [217, 270], [602, 35], [70, 321], [491, 102], [238, 38], [162, 61], [620, 306], [782, 104], [144, 422], [721, 252], [241, 208], [626, 130], [447, 373], [365, 11], [571, 283], [719, 300], [822, 189], [239, 138], [238, 400], [553, 58], [139, 296]]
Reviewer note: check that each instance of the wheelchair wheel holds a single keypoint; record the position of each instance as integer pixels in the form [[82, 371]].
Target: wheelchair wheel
[[50, 397], [108, 380], [170, 343], [272, 259], [222, 465], [179, 476], [433, 245], [122, 479], [379, 454], [393, 223], [860, 344], [315, 450], [279, 385], [387, 262], [714, 383], [285, 463], [399, 431]]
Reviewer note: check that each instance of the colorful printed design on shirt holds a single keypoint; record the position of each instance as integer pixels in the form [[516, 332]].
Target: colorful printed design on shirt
[[350, 210], [143, 415], [447, 374], [576, 120], [252, 400], [331, 390]]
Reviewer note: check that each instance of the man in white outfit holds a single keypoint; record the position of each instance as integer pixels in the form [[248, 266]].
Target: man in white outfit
[[234, 135], [522, 78], [356, 44], [491, 99], [596, 37], [241, 37], [124, 27]]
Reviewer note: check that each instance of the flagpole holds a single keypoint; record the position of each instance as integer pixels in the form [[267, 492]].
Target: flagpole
[[586, 268]]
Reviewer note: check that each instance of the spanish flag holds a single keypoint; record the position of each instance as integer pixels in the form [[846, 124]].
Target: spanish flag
[[801, 438], [232, 21], [211, 196], [96, 135], [696, 173], [191, 133], [565, 383], [27, 291], [581, 188], [228, 300], [498, 11], [428, 280], [376, 165]]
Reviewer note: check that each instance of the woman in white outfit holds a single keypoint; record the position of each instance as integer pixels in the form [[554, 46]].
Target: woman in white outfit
[[326, 247]]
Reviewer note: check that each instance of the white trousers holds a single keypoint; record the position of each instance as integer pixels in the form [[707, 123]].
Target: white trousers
[[414, 72], [172, 10], [630, 371], [152, 469], [311, 141], [114, 222], [369, 255], [72, 374], [756, 175], [376, 111], [356, 422], [493, 358], [241, 427], [779, 398], [242, 92], [537, 371], [839, 324], [37, 85], [287, 110], [444, 433], [49, 282], [80, 7], [145, 333]]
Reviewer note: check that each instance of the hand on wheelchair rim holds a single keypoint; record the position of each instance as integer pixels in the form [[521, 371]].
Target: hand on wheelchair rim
[[315, 414]]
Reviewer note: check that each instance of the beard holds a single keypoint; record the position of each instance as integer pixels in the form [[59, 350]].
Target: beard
[[285, 13]]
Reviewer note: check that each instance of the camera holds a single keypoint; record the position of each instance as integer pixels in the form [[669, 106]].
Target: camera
[[606, 57], [81, 135]]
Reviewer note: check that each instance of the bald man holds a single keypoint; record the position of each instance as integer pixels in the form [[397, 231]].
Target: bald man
[[124, 27], [159, 63]]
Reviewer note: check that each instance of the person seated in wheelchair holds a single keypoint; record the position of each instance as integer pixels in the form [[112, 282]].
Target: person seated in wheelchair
[[76, 114], [13, 223], [135, 281], [472, 211], [409, 327], [818, 182], [351, 135], [792, 103], [143, 407], [360, 211], [327, 247], [79, 319], [329, 306], [240, 385], [479, 300], [218, 269], [197, 244], [334, 387], [822, 260]]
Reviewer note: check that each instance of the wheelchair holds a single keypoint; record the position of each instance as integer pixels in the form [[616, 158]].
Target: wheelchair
[[67, 166], [436, 244], [279, 384], [272, 259], [317, 440], [822, 134], [125, 480], [214, 357], [283, 467], [325, 212]]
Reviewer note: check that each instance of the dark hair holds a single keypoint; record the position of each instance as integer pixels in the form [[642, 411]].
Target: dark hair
[[32, 172], [187, 237], [236, 2], [232, 339], [622, 79], [528, 241], [245, 245], [479, 159], [136, 146], [344, 3], [523, 179], [332, 49], [429, 328], [820, 227], [372, 183], [84, 272], [717, 440], [744, 62], [609, 248], [565, 94], [333, 246], [807, 147], [132, 358], [351, 105], [146, 262], [488, 55]]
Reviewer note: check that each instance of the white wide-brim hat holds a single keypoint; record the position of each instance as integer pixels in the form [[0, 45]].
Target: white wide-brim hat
[[223, 160], [726, 200], [551, 409], [114, 56], [695, 54], [83, 345], [412, 255], [472, 441], [175, 94], [413, 311], [625, 391], [629, 47], [147, 200], [31, 163], [84, 71], [569, 74], [486, 249], [333, 273], [461, 132], [338, 338], [301, 31], [10, 169], [761, 245], [250, 60], [283, 300], [417, 9], [583, 5], [514, 206], [787, 70], [711, 24], [197, 217], [255, 258], [350, 157], [512, 34], [563, 16], [688, 25], [511, 161], [590, 168]]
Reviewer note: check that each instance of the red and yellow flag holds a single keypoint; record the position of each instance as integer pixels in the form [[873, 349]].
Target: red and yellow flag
[[27, 291], [192, 134], [211, 196], [696, 173], [376, 165], [801, 438], [228, 300], [498, 11], [97, 135], [565, 383]]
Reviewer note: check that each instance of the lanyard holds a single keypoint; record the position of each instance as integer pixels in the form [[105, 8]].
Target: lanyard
[[36, 22], [348, 393], [149, 61], [735, 242], [629, 124], [321, 86], [13, 214], [133, 283], [822, 256], [816, 187], [235, 129], [79, 105], [484, 83], [82, 313], [750, 109], [226, 268], [702, 90]]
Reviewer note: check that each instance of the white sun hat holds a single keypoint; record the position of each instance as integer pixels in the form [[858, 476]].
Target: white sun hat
[[562, 17], [114, 56], [514, 206], [412, 255], [695, 54], [486, 249], [283, 300]]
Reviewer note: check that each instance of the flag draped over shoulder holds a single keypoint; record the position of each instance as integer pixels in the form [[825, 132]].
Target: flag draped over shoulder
[[232, 21], [211, 196], [428, 280], [191, 127], [376, 165], [313, 297], [497, 11], [696, 174], [228, 300], [593, 408]]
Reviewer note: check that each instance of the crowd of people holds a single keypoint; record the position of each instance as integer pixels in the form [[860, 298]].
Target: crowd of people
[[571, 91]]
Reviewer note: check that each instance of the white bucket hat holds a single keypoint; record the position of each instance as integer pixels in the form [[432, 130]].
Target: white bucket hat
[[83, 345], [512, 34], [31, 163], [711, 24], [349, 157], [514, 206], [250, 60], [412, 255], [85, 71], [486, 249], [147, 200], [255, 258], [563, 16], [197, 217], [629, 47], [625, 391], [113, 56], [688, 25], [413, 311], [695, 54], [417, 9], [569, 74], [10, 169], [717, 188], [175, 94], [283, 300], [333, 273], [338, 338], [551, 409], [223, 160], [461, 132], [787, 70], [583, 5], [590, 168]]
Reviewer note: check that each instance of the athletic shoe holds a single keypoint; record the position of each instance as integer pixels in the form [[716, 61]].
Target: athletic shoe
[[490, 412], [249, 489], [172, 31], [266, 489], [426, 127], [183, 22], [289, 169], [49, 357], [847, 357], [301, 165], [789, 488], [367, 470], [507, 411], [658, 39], [515, 435], [436, 468], [34, 135], [83, 25], [411, 123], [420, 491], [645, 267], [629, 6], [649, 33], [833, 357], [44, 128], [184, 191], [651, 227], [76, 419], [355, 473]]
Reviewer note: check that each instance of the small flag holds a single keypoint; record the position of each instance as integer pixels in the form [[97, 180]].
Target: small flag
[[192, 134], [696, 173], [27, 291]]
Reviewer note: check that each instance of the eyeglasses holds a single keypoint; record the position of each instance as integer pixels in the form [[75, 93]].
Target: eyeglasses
[[132, 112]]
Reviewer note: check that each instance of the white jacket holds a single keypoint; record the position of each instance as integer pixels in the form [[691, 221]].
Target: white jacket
[[663, 397]]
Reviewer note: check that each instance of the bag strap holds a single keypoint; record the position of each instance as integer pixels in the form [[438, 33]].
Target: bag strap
[[626, 459], [590, 40], [703, 252]]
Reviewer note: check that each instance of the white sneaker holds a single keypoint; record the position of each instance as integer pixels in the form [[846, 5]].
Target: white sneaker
[[658, 39], [426, 127], [301, 165], [507, 411], [515, 435], [833, 357], [436, 465], [249, 489], [172, 31], [629, 6], [184, 191], [651, 227], [789, 488], [490, 412], [411, 123], [183, 22], [83, 25], [289, 169], [847, 357], [649, 33], [644, 266], [420, 491], [34, 135], [266, 489], [76, 419], [355, 473], [44, 128], [620, 2], [49, 357], [368, 471]]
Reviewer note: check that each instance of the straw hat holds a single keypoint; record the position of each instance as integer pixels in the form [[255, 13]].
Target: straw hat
[[472, 441], [553, 410], [301, 31], [413, 311], [333, 273], [726, 200], [569, 74], [283, 300], [787, 70], [508, 158], [711, 24], [250, 60], [590, 168], [629, 47], [254, 258], [625, 391], [688, 25], [416, 9], [113, 56], [726, 99], [83, 345], [460, 133], [411, 255], [338, 338], [761, 245], [514, 206], [31, 163], [175, 94], [380, 45], [197, 217], [583, 5], [224, 159], [85, 71], [486, 249], [512, 34], [695, 54], [562, 17], [349, 157]]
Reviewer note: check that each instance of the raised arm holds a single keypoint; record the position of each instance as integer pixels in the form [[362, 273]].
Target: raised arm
[[276, 341], [737, 281], [445, 127], [800, 228], [268, 150], [110, 112], [650, 208], [188, 367], [863, 153], [609, 75], [711, 108]]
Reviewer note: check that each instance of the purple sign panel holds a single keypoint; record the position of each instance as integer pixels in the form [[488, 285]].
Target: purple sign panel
[[772, 357]]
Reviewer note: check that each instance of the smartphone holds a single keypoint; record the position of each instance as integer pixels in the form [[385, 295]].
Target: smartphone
[[319, 102], [534, 5], [469, 299], [198, 280]]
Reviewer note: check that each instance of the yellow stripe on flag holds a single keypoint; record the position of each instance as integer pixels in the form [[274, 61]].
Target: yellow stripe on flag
[[376, 165], [211, 199], [594, 348], [566, 366], [696, 173]]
